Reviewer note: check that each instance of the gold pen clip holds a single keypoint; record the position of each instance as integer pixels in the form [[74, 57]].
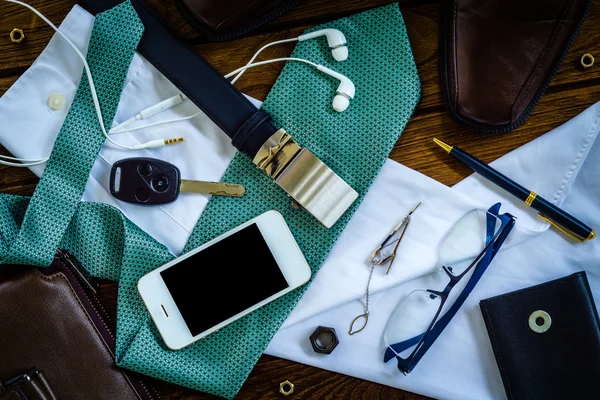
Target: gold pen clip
[[566, 232], [529, 201]]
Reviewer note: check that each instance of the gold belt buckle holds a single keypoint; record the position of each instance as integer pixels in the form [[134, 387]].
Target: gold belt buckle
[[310, 182]]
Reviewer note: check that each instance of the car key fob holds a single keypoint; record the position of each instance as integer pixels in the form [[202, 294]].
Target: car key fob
[[148, 181]]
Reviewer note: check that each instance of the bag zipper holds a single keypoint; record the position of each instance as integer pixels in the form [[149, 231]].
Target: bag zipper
[[81, 280]]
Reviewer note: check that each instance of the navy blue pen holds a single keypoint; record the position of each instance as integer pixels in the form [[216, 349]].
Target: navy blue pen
[[552, 214]]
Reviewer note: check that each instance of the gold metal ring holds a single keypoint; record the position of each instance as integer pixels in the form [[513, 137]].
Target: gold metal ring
[[529, 200], [587, 60], [17, 35]]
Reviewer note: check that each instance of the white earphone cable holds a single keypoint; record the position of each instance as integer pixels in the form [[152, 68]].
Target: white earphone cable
[[168, 121], [239, 75], [20, 159], [21, 163], [117, 129], [274, 60]]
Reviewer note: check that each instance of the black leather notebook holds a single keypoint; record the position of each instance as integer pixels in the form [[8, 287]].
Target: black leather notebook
[[546, 340]]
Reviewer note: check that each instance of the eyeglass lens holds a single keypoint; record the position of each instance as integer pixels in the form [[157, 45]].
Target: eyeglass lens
[[466, 240]]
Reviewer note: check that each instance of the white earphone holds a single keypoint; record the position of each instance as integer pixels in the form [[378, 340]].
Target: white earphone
[[335, 39], [345, 91]]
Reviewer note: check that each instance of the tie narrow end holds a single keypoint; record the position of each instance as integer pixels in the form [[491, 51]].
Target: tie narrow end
[[443, 145]]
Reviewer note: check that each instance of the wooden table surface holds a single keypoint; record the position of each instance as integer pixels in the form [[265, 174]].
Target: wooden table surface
[[572, 91]]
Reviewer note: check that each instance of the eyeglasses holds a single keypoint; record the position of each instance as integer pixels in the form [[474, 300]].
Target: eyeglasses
[[467, 249]]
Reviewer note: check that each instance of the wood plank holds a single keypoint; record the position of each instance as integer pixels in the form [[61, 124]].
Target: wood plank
[[16, 57], [422, 24], [308, 13], [422, 27], [416, 150], [7, 82], [588, 41]]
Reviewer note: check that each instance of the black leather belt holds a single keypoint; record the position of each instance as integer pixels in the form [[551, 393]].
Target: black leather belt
[[299, 172]]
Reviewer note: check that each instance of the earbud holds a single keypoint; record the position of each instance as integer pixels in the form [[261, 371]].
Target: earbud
[[345, 91], [335, 39]]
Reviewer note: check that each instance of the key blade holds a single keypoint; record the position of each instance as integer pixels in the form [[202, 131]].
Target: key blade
[[214, 188]]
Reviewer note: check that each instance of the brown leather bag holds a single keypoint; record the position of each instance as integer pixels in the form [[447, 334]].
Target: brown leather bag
[[220, 20], [55, 341], [498, 57]]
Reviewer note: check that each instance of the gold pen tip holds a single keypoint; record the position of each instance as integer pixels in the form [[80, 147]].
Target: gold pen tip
[[592, 235], [443, 145]]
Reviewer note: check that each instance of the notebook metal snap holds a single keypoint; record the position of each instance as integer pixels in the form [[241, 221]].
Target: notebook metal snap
[[540, 321]]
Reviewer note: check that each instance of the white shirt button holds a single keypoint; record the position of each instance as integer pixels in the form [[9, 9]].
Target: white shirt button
[[56, 101]]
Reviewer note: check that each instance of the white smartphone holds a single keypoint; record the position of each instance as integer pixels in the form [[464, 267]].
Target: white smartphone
[[223, 280]]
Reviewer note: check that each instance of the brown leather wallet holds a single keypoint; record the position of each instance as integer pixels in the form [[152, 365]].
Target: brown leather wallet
[[50, 320], [498, 57], [227, 19]]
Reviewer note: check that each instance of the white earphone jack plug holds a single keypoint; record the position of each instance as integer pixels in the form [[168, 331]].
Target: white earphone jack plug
[[153, 144]]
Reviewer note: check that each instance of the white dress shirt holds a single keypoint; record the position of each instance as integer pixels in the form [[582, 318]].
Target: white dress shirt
[[561, 166]]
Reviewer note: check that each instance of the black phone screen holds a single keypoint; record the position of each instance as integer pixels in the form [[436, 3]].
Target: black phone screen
[[224, 279]]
